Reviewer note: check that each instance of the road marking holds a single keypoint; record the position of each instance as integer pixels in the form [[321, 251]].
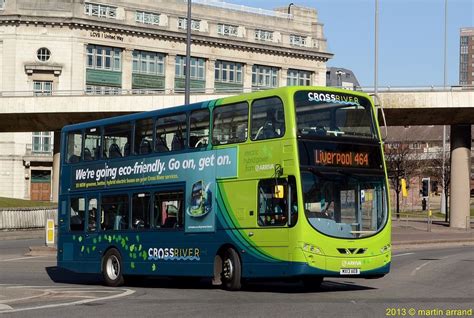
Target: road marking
[[413, 273], [127, 292], [5, 307], [24, 298], [404, 254], [21, 258]]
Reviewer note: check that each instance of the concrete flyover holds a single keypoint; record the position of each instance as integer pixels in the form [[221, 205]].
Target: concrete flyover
[[452, 106]]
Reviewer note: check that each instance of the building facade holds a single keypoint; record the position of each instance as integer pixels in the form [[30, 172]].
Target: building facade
[[78, 47], [466, 56], [341, 77]]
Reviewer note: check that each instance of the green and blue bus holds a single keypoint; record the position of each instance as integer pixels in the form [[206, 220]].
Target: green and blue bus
[[282, 183]]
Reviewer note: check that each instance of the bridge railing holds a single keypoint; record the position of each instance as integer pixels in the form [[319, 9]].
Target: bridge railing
[[215, 91]]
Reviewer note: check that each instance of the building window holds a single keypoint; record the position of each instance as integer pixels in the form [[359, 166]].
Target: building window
[[264, 35], [148, 63], [42, 142], [42, 88], [197, 67], [147, 17], [100, 10], [298, 40], [297, 77], [104, 58], [227, 29], [102, 90], [2, 4], [228, 72], [43, 54], [264, 76], [195, 24]]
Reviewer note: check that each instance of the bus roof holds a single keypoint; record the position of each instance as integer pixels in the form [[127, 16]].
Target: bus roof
[[287, 90]]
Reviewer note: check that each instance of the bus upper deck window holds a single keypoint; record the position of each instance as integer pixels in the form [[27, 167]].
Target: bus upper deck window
[[230, 124], [117, 139], [74, 146], [171, 133], [92, 144], [268, 120], [144, 136], [199, 128]]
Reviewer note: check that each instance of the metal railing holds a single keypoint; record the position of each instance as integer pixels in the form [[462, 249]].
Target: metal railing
[[242, 8], [222, 91]]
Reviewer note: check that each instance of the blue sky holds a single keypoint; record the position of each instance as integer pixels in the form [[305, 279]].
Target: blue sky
[[411, 37]]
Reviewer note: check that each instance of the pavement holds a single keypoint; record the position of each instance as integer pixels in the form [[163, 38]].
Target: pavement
[[405, 234]]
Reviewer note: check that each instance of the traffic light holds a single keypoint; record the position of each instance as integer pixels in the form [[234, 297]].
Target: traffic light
[[425, 187]]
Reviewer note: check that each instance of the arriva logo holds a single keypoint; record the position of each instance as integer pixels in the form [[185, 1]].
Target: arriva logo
[[351, 263]]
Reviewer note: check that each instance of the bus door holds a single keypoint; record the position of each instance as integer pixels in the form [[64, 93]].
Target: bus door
[[89, 247], [276, 212]]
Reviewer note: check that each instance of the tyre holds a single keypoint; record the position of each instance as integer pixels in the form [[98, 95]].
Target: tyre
[[231, 270], [112, 269], [312, 282]]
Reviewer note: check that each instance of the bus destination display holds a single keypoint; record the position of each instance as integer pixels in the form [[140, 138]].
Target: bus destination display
[[344, 159]]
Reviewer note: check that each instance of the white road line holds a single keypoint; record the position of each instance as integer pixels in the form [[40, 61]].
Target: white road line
[[21, 258], [404, 254], [5, 307], [413, 273], [24, 298], [126, 292]]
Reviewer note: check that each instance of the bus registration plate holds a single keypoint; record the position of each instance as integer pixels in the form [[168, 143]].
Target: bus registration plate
[[349, 271]]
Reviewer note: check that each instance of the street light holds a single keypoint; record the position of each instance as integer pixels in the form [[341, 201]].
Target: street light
[[339, 74], [443, 194], [187, 82]]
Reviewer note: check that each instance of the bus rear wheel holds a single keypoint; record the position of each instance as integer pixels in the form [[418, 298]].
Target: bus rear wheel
[[231, 270], [112, 271]]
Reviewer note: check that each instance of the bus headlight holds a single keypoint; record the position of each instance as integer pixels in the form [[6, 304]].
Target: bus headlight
[[386, 248], [311, 249]]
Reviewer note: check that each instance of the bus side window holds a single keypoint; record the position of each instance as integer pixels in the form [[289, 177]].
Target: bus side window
[[92, 144], [77, 214], [114, 212], [74, 146], [168, 210], [141, 211], [230, 124], [199, 128], [92, 215], [117, 139], [144, 136], [268, 120], [272, 202], [171, 133]]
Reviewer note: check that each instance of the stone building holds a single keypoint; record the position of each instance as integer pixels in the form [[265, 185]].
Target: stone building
[[77, 48]]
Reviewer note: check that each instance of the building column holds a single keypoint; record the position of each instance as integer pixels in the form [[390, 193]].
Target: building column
[[283, 77], [460, 175], [56, 164], [170, 71], [247, 78], [127, 69], [210, 77]]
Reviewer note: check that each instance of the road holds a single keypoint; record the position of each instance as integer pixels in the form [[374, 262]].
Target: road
[[435, 279]]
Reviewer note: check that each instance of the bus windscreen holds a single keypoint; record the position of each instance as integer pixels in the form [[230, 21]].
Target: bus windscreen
[[322, 114]]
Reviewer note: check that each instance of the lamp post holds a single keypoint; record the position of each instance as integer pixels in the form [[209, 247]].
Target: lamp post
[[339, 74], [187, 83], [443, 177]]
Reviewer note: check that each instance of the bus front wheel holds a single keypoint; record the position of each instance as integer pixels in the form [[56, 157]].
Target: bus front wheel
[[112, 268], [231, 270]]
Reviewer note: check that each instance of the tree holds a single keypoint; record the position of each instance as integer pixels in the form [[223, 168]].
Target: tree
[[402, 163], [434, 168]]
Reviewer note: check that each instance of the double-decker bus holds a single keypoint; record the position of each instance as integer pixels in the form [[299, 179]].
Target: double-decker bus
[[283, 183]]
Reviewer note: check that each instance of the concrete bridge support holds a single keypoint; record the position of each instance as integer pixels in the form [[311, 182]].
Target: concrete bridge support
[[460, 175]]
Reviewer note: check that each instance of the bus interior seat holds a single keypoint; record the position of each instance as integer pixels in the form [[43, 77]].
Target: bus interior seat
[[269, 130], [126, 150], [114, 151], [145, 147], [177, 143], [87, 154], [74, 159], [170, 222], [160, 145]]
